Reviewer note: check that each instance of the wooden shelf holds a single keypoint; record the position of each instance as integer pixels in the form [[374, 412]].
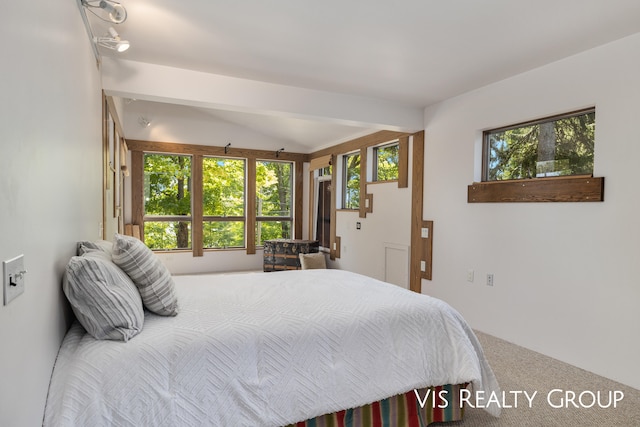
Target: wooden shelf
[[557, 189]]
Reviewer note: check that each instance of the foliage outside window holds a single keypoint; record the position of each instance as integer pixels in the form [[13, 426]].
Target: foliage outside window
[[168, 205], [223, 202], [274, 211], [167, 201], [351, 181], [386, 162], [556, 146]]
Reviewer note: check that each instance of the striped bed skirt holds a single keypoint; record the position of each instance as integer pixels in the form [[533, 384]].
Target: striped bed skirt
[[403, 410]]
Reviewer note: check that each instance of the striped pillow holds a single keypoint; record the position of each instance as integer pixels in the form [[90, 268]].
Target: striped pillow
[[148, 273], [104, 299]]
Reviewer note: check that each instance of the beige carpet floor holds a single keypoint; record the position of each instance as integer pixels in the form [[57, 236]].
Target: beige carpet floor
[[519, 369]]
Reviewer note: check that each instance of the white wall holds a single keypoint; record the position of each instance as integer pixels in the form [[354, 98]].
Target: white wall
[[50, 192], [566, 274], [389, 225]]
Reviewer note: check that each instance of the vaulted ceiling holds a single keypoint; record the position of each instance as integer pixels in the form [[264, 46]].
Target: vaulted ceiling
[[403, 55]]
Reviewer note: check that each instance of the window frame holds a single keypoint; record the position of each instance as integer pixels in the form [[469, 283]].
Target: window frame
[[345, 181], [174, 217], [273, 218], [486, 149], [225, 218], [139, 148], [375, 161], [569, 188]]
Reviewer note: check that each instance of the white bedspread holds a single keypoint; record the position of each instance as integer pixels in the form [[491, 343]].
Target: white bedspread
[[265, 349]]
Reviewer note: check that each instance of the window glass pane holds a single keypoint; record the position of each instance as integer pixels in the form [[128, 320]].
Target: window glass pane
[[167, 234], [386, 162], [351, 184], [273, 188], [223, 186], [556, 147], [267, 230], [223, 234], [167, 184], [325, 171]]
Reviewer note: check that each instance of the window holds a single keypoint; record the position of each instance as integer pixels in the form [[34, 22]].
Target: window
[[351, 181], [223, 202], [274, 213], [555, 146], [386, 162], [167, 201], [198, 198]]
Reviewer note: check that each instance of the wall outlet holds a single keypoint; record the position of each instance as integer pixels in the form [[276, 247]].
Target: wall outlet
[[13, 278], [489, 279]]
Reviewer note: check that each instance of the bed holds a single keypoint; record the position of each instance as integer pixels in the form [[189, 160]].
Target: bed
[[271, 349]]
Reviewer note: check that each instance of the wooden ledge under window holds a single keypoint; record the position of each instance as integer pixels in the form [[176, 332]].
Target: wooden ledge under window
[[582, 188]]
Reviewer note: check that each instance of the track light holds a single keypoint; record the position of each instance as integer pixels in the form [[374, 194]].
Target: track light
[[112, 42], [144, 122], [115, 12], [278, 152]]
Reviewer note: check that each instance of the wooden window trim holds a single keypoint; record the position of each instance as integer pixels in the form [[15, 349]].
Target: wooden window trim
[[138, 148], [581, 188], [417, 201]]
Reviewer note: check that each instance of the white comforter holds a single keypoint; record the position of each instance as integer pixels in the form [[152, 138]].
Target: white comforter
[[265, 349]]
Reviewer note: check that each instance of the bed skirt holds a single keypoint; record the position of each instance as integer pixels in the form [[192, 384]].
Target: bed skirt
[[403, 410]]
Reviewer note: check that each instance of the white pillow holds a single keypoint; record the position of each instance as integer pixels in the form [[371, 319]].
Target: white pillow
[[312, 261], [100, 245], [148, 273], [103, 298]]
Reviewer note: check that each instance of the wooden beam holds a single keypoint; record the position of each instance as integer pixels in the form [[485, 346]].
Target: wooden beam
[[556, 189], [197, 238], [298, 181], [334, 241], [417, 199], [426, 248], [362, 203], [358, 143], [403, 162], [209, 150], [137, 189], [250, 214]]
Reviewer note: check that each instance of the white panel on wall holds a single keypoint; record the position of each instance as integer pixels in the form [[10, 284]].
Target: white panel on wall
[[396, 264]]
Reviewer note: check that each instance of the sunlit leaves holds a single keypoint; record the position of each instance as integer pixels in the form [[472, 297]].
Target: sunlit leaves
[[351, 197], [167, 192], [274, 182], [386, 158], [167, 182], [223, 186], [514, 153]]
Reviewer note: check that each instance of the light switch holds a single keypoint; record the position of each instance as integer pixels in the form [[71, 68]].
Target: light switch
[[13, 274], [425, 233]]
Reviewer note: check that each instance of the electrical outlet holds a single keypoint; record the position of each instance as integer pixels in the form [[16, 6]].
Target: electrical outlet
[[489, 279], [13, 278]]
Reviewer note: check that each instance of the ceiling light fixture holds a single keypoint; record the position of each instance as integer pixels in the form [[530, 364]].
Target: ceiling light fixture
[[113, 41], [115, 12], [144, 122]]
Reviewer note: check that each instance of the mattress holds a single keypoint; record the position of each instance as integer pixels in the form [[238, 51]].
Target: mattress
[[266, 349]]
